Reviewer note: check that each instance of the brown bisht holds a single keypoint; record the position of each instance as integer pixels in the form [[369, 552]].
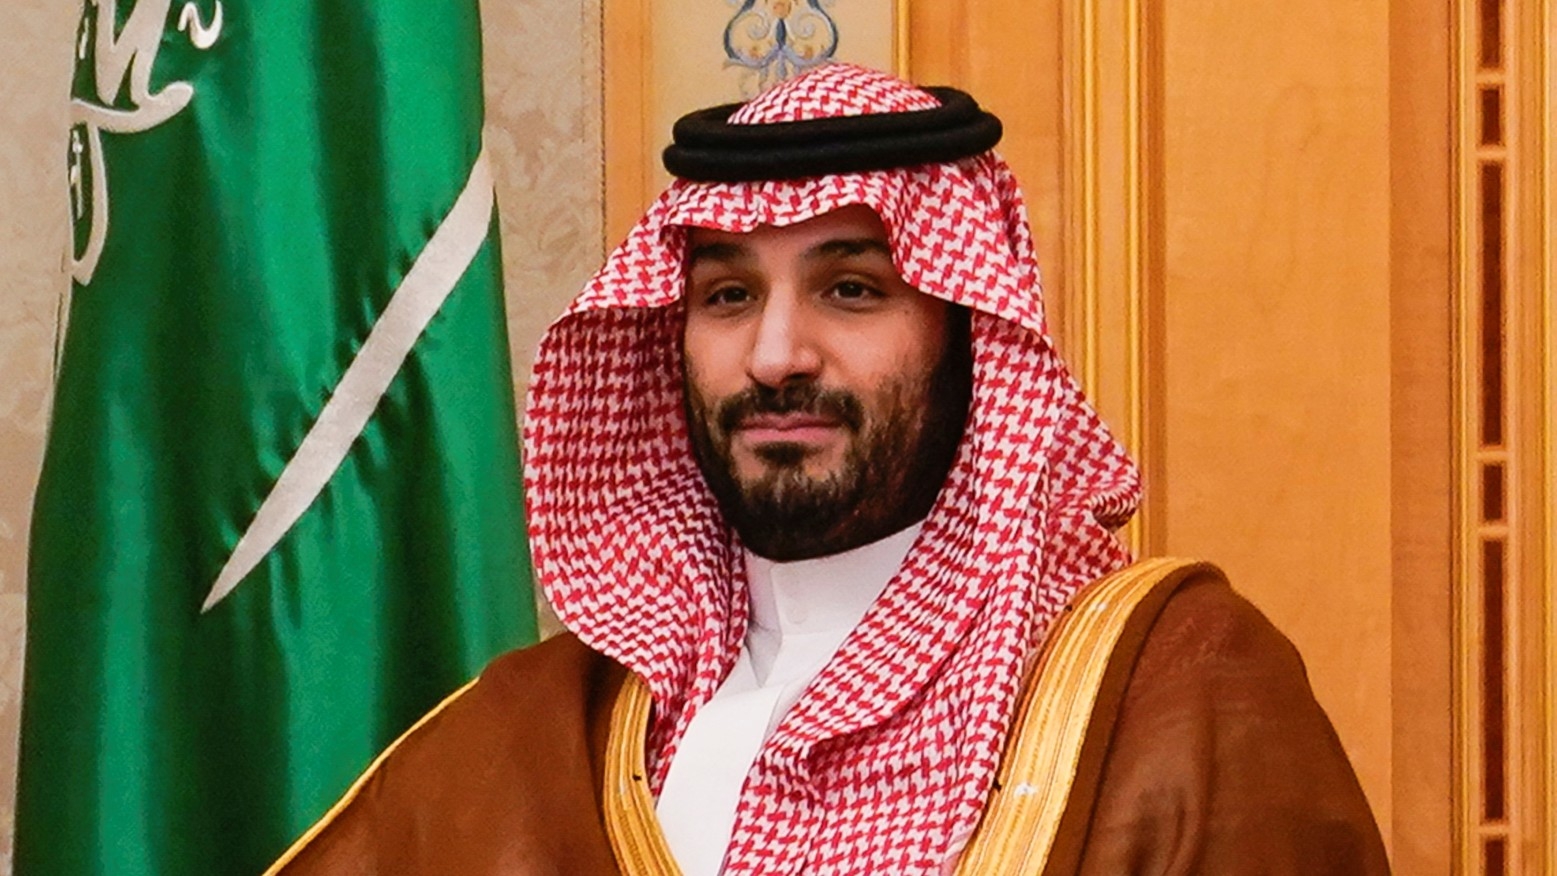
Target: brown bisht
[[1167, 730]]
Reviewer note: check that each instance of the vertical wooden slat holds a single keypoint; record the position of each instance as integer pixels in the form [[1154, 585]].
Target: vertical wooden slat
[[1532, 422], [1546, 75], [1506, 630], [1472, 51], [1421, 449], [1494, 703], [1489, 832], [625, 47], [1493, 336]]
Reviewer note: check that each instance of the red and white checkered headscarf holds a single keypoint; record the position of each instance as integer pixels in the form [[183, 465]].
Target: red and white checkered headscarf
[[884, 763]]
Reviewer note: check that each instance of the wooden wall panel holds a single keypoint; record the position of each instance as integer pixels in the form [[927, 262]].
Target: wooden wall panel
[[1421, 326], [1236, 247], [1277, 333]]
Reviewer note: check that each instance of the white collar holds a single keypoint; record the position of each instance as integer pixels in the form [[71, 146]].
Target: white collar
[[825, 594]]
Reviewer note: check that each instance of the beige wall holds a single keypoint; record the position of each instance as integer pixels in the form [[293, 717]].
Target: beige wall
[[35, 70], [543, 99], [543, 124]]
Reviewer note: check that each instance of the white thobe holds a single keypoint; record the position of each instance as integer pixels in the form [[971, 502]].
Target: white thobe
[[800, 613]]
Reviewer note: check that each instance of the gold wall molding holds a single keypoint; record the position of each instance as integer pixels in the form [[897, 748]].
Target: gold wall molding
[[1504, 366], [1548, 113], [1114, 209], [1542, 145], [625, 104], [1421, 453]]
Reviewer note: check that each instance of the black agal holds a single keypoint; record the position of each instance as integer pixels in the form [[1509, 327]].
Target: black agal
[[708, 148]]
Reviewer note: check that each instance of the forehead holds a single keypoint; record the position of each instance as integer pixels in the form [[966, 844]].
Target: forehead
[[854, 222]]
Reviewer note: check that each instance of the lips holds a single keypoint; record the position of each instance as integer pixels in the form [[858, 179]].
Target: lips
[[801, 412], [787, 421], [796, 428]]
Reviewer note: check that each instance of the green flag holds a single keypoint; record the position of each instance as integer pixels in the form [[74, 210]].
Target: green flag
[[280, 513]]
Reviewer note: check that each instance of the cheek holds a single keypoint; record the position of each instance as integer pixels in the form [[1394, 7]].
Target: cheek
[[700, 399], [710, 367], [697, 350], [907, 356]]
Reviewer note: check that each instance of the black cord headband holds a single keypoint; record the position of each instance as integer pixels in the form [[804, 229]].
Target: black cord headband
[[707, 148]]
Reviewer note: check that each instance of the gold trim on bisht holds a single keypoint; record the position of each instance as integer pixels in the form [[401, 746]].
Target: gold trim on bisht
[[628, 805], [1036, 818]]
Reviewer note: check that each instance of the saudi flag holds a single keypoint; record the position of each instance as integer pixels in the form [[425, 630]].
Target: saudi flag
[[280, 510]]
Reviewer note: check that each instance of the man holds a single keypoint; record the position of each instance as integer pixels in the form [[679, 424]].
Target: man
[[810, 489]]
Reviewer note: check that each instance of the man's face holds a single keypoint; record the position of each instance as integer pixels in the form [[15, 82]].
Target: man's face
[[825, 396]]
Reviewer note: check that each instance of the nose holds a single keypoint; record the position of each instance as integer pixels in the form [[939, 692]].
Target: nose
[[782, 348]]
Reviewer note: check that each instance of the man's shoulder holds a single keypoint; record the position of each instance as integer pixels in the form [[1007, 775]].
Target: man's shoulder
[[1207, 626], [1220, 752], [559, 665], [544, 689], [543, 700], [505, 770], [1202, 648]]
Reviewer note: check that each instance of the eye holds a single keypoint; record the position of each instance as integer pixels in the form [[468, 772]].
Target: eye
[[728, 295], [854, 292]]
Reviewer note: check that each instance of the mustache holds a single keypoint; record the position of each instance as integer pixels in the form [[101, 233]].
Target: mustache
[[790, 398]]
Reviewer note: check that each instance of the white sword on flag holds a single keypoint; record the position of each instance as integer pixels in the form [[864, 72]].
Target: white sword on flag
[[431, 278]]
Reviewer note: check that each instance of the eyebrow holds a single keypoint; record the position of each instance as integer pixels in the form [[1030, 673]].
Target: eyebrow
[[846, 247], [843, 247], [717, 252]]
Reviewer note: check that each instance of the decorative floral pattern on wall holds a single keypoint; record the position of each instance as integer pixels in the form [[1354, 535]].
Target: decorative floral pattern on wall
[[775, 39], [34, 249]]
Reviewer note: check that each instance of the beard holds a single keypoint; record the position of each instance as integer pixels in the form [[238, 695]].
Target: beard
[[896, 460]]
